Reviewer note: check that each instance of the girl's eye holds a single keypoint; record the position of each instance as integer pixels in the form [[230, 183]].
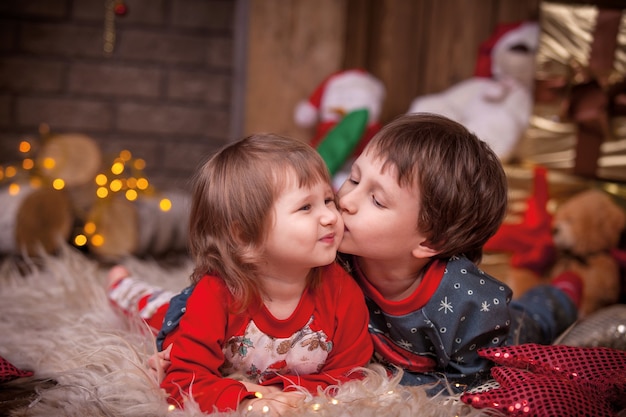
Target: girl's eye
[[329, 201], [353, 181]]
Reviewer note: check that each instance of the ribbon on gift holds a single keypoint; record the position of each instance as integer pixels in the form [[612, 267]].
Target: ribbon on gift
[[589, 99], [593, 93]]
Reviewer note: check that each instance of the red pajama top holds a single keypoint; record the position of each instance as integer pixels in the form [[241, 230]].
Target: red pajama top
[[325, 338]]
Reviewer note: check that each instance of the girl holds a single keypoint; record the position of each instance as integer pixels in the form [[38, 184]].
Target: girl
[[269, 310]]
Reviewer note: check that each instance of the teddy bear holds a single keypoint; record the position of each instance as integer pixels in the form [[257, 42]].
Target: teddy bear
[[579, 238], [496, 102], [585, 230], [338, 96]]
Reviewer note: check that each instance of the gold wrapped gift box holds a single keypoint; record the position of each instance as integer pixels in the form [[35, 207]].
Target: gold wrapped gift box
[[578, 124]]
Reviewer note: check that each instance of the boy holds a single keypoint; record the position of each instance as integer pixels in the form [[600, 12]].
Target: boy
[[419, 204]]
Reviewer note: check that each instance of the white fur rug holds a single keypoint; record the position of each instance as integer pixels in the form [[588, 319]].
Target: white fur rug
[[90, 361]]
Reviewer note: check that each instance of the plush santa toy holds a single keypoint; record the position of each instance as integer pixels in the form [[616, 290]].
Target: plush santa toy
[[338, 95], [496, 103]]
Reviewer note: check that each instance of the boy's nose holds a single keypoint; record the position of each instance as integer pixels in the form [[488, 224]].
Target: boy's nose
[[346, 203]]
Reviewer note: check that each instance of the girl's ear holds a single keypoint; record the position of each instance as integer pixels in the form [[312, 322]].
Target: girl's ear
[[236, 232], [423, 251], [247, 248]]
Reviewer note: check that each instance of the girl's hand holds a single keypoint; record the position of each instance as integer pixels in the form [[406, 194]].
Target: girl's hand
[[159, 362], [272, 405], [263, 389]]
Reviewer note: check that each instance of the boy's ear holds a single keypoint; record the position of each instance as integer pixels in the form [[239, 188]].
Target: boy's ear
[[423, 251]]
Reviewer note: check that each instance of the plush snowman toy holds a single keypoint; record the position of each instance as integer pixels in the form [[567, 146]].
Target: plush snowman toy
[[339, 95], [496, 103]]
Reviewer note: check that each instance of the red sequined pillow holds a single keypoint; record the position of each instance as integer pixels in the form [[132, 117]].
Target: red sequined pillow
[[9, 372], [538, 380]]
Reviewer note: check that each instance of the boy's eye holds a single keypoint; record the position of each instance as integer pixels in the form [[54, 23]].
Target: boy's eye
[[305, 207], [376, 202], [329, 201]]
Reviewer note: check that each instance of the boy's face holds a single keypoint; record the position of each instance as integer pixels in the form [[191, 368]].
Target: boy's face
[[306, 228], [380, 216]]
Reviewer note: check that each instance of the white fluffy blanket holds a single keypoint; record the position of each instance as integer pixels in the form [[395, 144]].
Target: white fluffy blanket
[[90, 361]]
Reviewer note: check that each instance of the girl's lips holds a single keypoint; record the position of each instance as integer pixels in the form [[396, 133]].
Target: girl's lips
[[330, 238]]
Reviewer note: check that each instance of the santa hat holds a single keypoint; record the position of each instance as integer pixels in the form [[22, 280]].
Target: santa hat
[[504, 37], [306, 113]]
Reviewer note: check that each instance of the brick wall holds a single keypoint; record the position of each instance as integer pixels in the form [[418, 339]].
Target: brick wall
[[164, 93]]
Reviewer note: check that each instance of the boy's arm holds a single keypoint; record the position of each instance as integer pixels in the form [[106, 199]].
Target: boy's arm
[[469, 310], [458, 365]]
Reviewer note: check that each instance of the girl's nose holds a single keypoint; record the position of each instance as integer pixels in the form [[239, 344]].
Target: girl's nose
[[330, 215]]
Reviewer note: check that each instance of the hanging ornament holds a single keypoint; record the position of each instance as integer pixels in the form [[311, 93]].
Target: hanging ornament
[[120, 8], [112, 8], [109, 27]]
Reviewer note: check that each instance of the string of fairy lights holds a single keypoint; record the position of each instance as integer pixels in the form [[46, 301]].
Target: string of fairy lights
[[29, 171], [123, 177], [330, 405]]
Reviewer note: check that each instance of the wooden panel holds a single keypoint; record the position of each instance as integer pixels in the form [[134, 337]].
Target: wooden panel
[[512, 10], [359, 20], [396, 48], [292, 46], [420, 47], [414, 46]]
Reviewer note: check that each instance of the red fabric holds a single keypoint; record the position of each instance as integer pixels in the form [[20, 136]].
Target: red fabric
[[571, 284], [339, 310], [400, 357], [527, 394], [383, 345], [530, 241], [8, 372], [155, 321], [143, 301], [418, 299], [546, 381]]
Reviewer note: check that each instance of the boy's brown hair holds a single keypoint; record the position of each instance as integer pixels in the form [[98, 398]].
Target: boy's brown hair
[[461, 182], [231, 208]]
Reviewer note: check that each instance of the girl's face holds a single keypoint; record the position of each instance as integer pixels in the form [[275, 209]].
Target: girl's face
[[306, 229], [380, 216]]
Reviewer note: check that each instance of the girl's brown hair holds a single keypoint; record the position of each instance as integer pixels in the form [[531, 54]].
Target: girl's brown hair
[[231, 207], [461, 182]]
